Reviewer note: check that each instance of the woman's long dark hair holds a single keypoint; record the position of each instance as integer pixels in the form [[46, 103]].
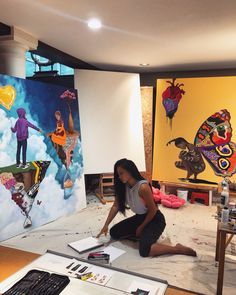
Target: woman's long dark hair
[[120, 187]]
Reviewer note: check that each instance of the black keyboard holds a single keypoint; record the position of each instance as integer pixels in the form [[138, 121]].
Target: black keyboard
[[37, 282]]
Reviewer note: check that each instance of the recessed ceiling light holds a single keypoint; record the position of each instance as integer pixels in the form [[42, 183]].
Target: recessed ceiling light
[[94, 24], [144, 65]]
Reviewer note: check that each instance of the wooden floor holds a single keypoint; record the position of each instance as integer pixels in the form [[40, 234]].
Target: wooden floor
[[12, 260]]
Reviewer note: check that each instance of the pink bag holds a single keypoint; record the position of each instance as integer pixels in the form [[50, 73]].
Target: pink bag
[[172, 201]]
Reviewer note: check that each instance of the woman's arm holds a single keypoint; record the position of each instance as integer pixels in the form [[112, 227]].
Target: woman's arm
[[145, 193], [114, 210]]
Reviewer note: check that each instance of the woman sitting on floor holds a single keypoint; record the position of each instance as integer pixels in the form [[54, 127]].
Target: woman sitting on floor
[[148, 223]]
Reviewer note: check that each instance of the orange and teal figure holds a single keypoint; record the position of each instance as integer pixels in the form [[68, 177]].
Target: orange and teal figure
[[58, 137]]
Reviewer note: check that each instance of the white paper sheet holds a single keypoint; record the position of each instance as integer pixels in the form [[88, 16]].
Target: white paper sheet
[[113, 252], [85, 244], [153, 290]]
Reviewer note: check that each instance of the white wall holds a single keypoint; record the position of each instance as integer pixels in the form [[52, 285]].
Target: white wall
[[111, 119]]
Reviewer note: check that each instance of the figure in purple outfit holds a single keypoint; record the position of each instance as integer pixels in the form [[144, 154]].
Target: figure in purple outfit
[[22, 134]]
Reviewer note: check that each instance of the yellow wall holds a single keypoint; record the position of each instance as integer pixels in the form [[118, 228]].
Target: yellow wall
[[203, 97]]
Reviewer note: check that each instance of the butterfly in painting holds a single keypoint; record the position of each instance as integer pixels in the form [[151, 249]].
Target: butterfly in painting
[[213, 142], [213, 139]]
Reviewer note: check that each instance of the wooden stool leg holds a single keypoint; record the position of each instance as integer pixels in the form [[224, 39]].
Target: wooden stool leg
[[220, 280], [99, 195], [210, 198], [192, 200]]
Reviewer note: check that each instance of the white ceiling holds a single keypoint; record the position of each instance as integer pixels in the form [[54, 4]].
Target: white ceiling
[[167, 34]]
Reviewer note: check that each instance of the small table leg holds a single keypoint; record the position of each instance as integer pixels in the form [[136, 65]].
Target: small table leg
[[217, 243], [229, 240], [221, 262], [210, 198]]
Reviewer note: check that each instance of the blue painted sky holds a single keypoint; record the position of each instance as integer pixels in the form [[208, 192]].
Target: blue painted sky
[[43, 100]]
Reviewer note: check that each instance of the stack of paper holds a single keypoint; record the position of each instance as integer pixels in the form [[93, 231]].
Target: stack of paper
[[85, 244]]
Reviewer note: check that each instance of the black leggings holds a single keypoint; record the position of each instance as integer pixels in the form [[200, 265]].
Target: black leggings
[[151, 232]]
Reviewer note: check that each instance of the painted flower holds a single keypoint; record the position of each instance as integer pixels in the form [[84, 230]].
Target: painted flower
[[68, 95], [171, 98]]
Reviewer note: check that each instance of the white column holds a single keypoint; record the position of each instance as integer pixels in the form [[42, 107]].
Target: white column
[[12, 52]]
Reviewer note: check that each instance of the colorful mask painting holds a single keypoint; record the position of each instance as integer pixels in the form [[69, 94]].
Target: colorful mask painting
[[171, 98], [41, 163], [213, 141]]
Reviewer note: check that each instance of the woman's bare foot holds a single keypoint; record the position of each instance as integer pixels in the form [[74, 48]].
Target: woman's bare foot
[[185, 250]]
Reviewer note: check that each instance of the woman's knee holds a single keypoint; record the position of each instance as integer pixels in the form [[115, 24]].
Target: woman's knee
[[144, 249], [114, 233]]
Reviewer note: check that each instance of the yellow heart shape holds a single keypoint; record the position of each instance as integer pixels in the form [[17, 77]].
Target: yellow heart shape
[[7, 96]]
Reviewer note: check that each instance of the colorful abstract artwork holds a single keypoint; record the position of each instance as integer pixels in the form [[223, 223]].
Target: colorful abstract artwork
[[213, 142], [41, 163], [213, 139], [171, 98]]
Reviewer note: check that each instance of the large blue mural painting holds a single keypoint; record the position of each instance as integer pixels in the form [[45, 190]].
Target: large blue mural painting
[[41, 163]]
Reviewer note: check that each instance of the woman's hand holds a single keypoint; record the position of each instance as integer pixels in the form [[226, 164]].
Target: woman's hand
[[111, 216], [139, 231], [104, 231]]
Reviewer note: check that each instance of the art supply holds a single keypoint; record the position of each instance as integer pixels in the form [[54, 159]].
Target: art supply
[[70, 265], [99, 257], [76, 267], [140, 292], [231, 205], [139, 288], [83, 269], [100, 277], [85, 276], [225, 183], [86, 244], [225, 215], [39, 282], [224, 197]]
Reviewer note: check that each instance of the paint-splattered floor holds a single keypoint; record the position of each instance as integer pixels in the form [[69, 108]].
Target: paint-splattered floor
[[192, 225]]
